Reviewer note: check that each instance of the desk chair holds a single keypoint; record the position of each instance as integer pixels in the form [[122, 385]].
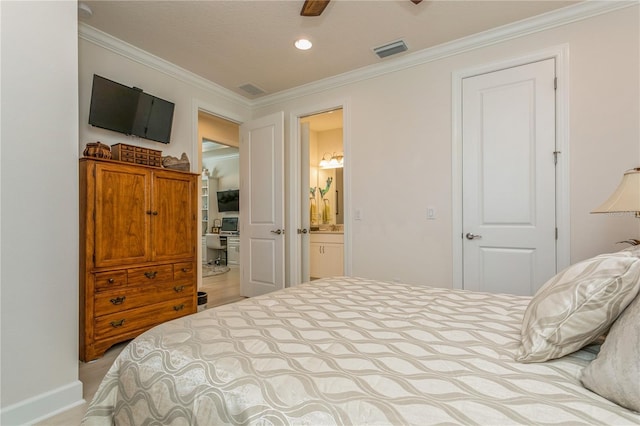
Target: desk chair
[[214, 243]]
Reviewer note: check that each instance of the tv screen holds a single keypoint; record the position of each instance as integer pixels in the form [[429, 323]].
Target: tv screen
[[230, 224], [154, 117], [130, 111], [229, 201], [113, 105]]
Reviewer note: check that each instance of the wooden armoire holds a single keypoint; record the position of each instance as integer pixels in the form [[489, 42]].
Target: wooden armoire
[[138, 237]]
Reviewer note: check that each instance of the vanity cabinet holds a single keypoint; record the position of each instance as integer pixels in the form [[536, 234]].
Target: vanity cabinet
[[326, 252], [138, 246]]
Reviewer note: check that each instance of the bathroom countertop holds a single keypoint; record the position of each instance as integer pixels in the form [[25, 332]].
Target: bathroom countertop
[[327, 229]]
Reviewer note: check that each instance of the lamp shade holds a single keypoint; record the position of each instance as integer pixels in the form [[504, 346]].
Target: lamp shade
[[626, 198]]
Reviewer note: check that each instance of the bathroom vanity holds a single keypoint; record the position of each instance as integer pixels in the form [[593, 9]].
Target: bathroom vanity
[[326, 252]]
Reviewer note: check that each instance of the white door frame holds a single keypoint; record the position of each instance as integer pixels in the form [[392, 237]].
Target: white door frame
[[196, 155], [561, 56], [293, 212]]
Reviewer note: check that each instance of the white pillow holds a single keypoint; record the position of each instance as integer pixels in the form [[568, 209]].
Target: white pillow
[[578, 305], [615, 373]]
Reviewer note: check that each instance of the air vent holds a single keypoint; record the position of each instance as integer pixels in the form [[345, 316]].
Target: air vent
[[252, 89], [390, 49]]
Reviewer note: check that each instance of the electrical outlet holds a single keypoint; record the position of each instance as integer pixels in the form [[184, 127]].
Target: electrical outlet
[[431, 213]]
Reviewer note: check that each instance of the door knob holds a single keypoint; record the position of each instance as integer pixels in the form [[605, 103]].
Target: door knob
[[303, 231], [471, 236], [278, 231]]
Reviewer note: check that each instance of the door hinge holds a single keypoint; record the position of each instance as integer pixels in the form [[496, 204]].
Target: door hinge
[[556, 233], [555, 83], [555, 156]]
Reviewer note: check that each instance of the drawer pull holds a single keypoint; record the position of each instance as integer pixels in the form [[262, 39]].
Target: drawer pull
[[185, 269], [111, 281], [118, 300], [116, 324], [178, 307], [151, 275], [178, 288]]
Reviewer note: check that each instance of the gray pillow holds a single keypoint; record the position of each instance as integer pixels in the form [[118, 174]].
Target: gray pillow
[[578, 305], [615, 373]]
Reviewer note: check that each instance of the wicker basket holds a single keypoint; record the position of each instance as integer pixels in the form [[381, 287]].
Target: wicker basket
[[97, 150]]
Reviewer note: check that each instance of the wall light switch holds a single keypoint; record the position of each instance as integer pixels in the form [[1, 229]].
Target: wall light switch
[[431, 213], [357, 214]]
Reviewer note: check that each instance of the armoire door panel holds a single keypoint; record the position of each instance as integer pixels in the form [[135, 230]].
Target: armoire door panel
[[121, 238], [173, 216]]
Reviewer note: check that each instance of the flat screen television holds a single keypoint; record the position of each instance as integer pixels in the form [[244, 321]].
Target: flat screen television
[[129, 110], [229, 224], [229, 201], [154, 118], [113, 105]]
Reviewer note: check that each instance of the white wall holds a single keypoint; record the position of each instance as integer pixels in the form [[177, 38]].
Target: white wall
[[39, 236], [227, 170], [401, 155]]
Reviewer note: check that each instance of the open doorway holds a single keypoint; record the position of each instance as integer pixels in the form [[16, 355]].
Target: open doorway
[[323, 176], [220, 208]]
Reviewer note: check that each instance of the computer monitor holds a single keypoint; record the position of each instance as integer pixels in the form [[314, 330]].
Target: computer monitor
[[229, 224]]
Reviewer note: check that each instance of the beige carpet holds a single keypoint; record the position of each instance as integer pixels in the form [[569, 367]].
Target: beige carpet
[[210, 270]]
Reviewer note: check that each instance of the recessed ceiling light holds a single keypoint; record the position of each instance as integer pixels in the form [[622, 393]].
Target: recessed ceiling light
[[303, 44]]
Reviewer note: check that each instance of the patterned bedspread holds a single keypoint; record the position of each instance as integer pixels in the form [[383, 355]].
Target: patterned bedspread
[[348, 351]]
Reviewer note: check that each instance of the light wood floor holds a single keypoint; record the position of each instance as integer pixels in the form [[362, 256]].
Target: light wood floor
[[221, 289]]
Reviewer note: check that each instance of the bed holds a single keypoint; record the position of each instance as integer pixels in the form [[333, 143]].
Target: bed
[[350, 351]]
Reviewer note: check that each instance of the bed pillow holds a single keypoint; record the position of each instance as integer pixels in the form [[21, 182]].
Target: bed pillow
[[615, 373], [578, 305]]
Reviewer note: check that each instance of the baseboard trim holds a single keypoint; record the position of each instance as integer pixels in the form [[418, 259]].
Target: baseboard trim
[[42, 406]]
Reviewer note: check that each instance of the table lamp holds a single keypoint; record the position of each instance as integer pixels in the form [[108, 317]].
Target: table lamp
[[625, 199]]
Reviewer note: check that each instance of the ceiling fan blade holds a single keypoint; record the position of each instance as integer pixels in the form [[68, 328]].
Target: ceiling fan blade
[[314, 7]]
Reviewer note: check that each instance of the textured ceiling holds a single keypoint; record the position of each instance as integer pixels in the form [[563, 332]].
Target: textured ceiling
[[233, 43]]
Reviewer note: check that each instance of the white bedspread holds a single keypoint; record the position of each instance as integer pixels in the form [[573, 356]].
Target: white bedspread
[[348, 351]]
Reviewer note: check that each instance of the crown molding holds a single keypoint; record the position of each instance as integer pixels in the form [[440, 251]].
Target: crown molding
[[109, 42], [549, 20], [553, 19]]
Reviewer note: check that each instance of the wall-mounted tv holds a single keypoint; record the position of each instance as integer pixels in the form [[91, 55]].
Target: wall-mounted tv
[[129, 110], [229, 201]]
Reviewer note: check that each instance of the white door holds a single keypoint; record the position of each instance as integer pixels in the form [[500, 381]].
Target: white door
[[262, 205], [508, 160]]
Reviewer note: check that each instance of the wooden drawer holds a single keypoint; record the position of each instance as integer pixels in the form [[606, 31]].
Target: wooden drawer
[[150, 275], [111, 279], [136, 154], [183, 271], [109, 302], [141, 318]]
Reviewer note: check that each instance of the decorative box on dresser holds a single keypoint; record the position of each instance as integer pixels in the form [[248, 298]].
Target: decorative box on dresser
[[138, 245]]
